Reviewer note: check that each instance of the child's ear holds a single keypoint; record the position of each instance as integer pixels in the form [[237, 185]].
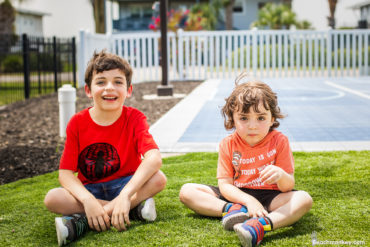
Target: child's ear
[[88, 91], [272, 121], [129, 91]]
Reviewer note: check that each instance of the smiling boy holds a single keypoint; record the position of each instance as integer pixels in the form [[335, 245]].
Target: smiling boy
[[255, 170], [115, 156]]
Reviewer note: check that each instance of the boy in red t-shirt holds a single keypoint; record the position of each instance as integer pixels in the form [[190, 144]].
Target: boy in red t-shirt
[[116, 158], [255, 170]]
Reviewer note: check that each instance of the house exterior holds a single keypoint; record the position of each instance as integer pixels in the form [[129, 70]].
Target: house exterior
[[128, 15], [29, 22], [364, 18]]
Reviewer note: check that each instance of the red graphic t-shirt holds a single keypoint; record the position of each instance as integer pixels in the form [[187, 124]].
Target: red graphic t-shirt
[[238, 160], [104, 153]]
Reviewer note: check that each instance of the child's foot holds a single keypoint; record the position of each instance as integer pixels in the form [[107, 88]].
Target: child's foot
[[250, 233], [148, 211], [234, 213], [70, 228]]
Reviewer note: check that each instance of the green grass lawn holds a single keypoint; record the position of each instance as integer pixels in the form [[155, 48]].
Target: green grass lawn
[[337, 181]]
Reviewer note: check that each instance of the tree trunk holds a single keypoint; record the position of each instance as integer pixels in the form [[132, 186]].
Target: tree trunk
[[229, 15], [331, 19], [7, 17], [99, 15]]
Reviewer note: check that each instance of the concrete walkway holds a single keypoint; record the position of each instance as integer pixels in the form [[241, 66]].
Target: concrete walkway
[[323, 114]]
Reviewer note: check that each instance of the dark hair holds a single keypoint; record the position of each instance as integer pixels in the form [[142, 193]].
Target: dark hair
[[247, 95], [104, 61]]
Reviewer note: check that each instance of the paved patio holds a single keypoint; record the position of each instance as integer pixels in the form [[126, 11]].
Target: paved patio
[[323, 114]]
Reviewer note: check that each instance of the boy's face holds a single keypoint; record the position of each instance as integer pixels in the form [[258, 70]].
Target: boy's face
[[253, 126], [108, 90]]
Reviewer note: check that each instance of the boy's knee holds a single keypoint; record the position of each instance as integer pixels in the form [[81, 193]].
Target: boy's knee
[[306, 200], [186, 191], [160, 180], [51, 198]]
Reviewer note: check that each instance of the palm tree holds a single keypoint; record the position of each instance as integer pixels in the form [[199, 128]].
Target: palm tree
[[331, 19], [275, 16], [278, 16]]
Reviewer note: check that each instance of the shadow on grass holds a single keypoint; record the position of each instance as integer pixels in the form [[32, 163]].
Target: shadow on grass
[[306, 225], [197, 216]]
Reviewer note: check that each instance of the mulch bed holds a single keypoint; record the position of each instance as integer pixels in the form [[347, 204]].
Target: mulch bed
[[29, 130]]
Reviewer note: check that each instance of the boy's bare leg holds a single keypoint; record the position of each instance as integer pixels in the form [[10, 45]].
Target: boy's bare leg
[[289, 207], [201, 199], [60, 201]]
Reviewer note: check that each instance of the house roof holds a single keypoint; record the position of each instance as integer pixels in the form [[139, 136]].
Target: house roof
[[360, 4], [31, 12]]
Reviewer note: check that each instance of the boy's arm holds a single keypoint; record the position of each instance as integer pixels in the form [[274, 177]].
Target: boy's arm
[[98, 219], [151, 164], [234, 194], [276, 175]]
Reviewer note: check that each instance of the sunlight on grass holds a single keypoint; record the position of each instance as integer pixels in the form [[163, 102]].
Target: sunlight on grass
[[337, 181]]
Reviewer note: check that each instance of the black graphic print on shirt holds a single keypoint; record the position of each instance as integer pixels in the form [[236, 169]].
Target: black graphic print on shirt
[[98, 160]]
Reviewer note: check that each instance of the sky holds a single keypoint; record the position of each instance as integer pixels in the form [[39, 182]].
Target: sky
[[67, 17]]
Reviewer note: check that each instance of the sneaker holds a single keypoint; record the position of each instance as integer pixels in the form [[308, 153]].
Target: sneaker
[[236, 213], [148, 211], [250, 233], [70, 228]]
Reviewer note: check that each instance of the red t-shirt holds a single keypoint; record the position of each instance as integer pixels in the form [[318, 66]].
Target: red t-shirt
[[238, 160], [104, 153]]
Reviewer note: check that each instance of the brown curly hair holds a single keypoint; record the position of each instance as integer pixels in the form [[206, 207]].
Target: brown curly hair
[[247, 95], [104, 61]]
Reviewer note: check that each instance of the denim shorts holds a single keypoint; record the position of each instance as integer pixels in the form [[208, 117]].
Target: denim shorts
[[108, 190]]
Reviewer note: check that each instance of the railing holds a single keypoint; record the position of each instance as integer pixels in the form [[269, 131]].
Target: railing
[[32, 66], [225, 54]]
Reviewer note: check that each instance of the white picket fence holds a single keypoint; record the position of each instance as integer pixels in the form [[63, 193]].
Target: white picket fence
[[224, 54]]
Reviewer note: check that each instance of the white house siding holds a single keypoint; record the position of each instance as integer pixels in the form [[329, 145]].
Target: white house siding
[[28, 23], [316, 12], [66, 17]]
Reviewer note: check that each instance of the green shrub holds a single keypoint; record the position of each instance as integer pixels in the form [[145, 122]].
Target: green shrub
[[12, 63]]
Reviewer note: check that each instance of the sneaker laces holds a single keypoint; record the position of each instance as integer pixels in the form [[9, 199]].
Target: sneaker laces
[[81, 225]]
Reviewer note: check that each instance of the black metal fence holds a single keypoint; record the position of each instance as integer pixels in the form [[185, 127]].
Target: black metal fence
[[33, 66]]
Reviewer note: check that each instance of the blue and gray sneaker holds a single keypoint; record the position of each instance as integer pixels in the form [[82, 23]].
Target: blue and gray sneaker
[[234, 213], [70, 228]]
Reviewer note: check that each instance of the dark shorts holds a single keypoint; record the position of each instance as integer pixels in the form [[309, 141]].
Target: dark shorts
[[108, 190], [265, 197]]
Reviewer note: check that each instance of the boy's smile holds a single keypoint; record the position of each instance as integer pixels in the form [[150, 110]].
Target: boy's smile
[[252, 127], [109, 91]]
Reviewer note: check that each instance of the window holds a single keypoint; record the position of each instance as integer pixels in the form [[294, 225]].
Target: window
[[238, 6]]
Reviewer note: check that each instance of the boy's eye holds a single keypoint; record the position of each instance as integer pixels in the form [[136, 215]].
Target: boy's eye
[[243, 118], [100, 82], [119, 82], [261, 118]]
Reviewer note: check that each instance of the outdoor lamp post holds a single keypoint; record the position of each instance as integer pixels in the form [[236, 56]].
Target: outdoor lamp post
[[164, 89]]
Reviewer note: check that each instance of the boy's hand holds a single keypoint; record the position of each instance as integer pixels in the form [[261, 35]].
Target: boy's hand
[[120, 214], [255, 209], [271, 174], [97, 217]]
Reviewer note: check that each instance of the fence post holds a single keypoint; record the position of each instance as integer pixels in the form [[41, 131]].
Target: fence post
[[82, 58], [26, 66], [328, 52], [181, 53], [254, 50], [55, 64], [74, 61]]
